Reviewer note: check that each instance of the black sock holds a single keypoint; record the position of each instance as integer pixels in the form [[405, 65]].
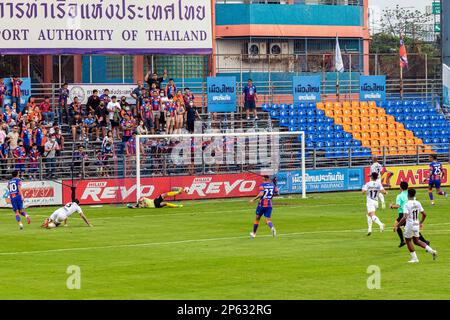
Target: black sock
[[400, 235], [421, 238]]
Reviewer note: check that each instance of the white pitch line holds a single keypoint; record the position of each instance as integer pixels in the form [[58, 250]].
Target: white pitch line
[[190, 241]]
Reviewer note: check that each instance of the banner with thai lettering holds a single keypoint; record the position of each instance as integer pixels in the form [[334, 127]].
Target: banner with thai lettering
[[372, 88], [25, 91], [106, 27], [391, 177], [307, 89], [326, 180], [36, 193], [221, 94], [109, 191]]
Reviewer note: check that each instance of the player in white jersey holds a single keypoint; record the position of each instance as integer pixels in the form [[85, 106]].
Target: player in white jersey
[[411, 212], [62, 214], [372, 189], [378, 168]]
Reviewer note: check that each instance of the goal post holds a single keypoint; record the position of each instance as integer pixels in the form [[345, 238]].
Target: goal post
[[258, 152]]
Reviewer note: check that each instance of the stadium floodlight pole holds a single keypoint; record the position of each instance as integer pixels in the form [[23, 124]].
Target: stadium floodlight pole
[[215, 135]]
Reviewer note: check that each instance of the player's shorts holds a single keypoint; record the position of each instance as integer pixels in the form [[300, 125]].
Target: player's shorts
[[266, 211], [434, 184], [158, 202], [372, 206], [250, 104], [412, 231], [58, 216], [20, 167], [17, 203]]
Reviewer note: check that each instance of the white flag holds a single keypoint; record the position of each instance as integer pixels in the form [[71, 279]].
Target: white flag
[[339, 64]]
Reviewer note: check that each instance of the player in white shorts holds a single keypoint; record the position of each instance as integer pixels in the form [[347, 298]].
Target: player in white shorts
[[372, 189], [62, 214], [411, 212], [378, 168]]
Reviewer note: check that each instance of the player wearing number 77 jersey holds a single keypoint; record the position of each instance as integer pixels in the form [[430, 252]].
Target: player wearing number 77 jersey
[[412, 228], [267, 191], [372, 189]]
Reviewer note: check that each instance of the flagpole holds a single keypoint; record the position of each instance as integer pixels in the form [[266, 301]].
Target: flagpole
[[401, 83]]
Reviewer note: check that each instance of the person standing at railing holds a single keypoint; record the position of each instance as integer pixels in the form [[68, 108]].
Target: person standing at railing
[[250, 98], [39, 137], [114, 110], [63, 108], [154, 79], [19, 155], [16, 92], [93, 102], [27, 136], [3, 90], [138, 95], [171, 89], [51, 146]]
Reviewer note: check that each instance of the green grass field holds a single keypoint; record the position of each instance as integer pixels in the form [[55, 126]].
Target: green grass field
[[204, 251]]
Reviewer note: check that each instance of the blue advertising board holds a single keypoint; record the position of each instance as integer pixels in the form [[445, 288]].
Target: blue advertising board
[[221, 93], [307, 89], [324, 180], [25, 89], [372, 88]]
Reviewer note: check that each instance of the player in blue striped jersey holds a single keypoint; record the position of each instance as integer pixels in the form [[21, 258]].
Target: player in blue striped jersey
[[434, 178], [267, 191], [17, 198]]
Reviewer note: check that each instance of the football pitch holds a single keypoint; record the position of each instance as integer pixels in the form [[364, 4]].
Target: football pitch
[[204, 251]]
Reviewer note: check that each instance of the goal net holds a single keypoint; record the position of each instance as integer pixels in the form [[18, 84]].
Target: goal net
[[218, 164]]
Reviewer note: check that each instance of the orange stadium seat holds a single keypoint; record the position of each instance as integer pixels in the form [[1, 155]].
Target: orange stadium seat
[[320, 106], [355, 104]]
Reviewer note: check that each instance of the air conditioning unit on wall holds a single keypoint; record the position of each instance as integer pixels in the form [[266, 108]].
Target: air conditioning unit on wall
[[277, 49], [256, 50]]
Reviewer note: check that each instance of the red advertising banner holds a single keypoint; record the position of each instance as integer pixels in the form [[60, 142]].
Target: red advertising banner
[[110, 191], [391, 177]]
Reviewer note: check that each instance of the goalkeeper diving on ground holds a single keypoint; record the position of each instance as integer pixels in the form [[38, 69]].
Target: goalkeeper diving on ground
[[159, 202]]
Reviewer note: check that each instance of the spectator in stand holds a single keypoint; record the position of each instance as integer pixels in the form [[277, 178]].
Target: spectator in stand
[[101, 118], [153, 79], [27, 137], [76, 124], [138, 95], [146, 115], [36, 115], [179, 116], [40, 137], [93, 102], [5, 150], [170, 116], [188, 97], [109, 138], [51, 146], [124, 103], [14, 137], [192, 114], [3, 91], [170, 90], [16, 92], [142, 128], [9, 116], [46, 108], [105, 97], [33, 162], [89, 126], [108, 154], [100, 165], [250, 98], [19, 155], [163, 110], [3, 132], [59, 139], [63, 108], [79, 156], [114, 111], [75, 107], [155, 102]]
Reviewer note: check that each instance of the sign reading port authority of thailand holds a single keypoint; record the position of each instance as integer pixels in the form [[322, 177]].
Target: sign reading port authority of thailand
[[307, 89], [106, 27], [372, 88], [221, 93]]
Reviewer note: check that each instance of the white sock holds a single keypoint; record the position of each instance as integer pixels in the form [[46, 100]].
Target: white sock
[[429, 249], [369, 223], [381, 196], [377, 221], [414, 255]]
